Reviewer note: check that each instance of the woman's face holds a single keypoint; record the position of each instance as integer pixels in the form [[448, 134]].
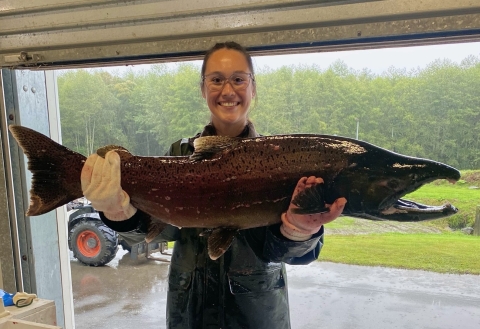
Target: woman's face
[[229, 107]]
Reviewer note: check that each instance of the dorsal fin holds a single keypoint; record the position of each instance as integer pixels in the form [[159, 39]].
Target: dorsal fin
[[104, 149], [206, 147]]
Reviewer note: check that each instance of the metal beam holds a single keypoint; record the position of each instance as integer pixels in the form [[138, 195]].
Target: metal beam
[[9, 251], [93, 32]]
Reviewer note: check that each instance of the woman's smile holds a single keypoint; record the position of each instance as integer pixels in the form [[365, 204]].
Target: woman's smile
[[229, 104]]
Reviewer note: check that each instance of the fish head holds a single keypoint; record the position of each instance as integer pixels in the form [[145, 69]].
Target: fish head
[[374, 189], [410, 175]]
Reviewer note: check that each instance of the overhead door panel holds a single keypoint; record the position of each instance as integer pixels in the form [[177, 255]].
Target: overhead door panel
[[62, 32]]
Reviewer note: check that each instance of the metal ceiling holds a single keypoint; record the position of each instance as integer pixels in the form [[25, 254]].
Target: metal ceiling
[[58, 33]]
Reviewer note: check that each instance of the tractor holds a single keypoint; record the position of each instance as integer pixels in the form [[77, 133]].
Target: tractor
[[95, 244]]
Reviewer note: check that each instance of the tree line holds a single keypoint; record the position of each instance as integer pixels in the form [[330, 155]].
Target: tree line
[[432, 112]]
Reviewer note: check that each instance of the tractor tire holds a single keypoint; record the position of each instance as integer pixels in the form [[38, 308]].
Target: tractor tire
[[93, 243]]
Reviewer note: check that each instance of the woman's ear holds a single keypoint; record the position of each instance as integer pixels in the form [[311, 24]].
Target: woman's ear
[[202, 88]]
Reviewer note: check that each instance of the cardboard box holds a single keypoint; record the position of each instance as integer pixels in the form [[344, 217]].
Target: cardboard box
[[40, 314]]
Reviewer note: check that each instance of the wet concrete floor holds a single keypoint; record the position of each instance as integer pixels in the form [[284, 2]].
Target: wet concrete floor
[[132, 293]]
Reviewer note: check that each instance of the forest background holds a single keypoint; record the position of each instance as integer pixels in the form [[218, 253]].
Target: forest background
[[433, 112]]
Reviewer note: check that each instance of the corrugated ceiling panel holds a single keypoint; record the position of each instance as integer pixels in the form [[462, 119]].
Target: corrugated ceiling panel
[[63, 32]]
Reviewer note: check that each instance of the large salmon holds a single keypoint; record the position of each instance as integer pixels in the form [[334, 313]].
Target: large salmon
[[231, 183]]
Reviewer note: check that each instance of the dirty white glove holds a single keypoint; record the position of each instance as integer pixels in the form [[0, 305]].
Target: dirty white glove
[[21, 299], [298, 227], [101, 186]]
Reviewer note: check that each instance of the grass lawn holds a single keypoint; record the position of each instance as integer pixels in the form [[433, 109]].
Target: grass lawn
[[444, 253]]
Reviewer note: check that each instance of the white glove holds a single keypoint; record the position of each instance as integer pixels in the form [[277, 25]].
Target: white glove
[[101, 186], [299, 227]]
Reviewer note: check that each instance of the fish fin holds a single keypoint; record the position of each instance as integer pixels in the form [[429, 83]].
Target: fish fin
[[155, 227], [104, 149], [220, 240], [310, 201], [207, 232], [55, 170], [206, 147]]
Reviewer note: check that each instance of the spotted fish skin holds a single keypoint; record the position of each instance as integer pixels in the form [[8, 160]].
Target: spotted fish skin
[[243, 183]]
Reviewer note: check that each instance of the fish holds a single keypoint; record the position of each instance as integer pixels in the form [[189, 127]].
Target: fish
[[230, 184]]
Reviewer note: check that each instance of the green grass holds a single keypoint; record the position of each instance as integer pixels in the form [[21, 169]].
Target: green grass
[[443, 253], [341, 222]]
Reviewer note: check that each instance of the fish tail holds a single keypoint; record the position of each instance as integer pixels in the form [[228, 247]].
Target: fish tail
[[55, 170]]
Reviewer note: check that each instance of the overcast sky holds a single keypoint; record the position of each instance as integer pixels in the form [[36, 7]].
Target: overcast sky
[[377, 60]]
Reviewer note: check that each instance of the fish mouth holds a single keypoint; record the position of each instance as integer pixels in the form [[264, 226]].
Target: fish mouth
[[406, 210], [392, 200], [410, 211], [397, 209]]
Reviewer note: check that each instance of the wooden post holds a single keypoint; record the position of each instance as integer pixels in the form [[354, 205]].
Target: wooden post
[[476, 226]]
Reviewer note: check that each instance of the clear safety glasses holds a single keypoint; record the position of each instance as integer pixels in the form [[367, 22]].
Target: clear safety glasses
[[238, 81]]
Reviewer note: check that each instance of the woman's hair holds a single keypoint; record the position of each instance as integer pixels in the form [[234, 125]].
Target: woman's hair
[[228, 45]]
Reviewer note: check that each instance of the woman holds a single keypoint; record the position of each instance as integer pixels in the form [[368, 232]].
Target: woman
[[246, 287]]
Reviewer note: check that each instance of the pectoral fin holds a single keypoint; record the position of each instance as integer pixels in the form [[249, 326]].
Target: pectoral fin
[[310, 201], [219, 241], [155, 227]]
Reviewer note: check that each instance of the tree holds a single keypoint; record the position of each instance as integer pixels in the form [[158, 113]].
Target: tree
[[431, 113], [86, 106]]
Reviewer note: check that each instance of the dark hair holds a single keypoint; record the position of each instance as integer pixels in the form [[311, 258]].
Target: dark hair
[[228, 45]]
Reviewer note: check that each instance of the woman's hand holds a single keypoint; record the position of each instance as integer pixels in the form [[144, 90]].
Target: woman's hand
[[101, 186], [300, 227]]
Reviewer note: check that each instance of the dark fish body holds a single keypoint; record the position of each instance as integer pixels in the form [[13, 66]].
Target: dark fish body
[[243, 183]]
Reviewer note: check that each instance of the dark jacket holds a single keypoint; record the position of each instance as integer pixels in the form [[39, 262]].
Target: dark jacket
[[245, 288]]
